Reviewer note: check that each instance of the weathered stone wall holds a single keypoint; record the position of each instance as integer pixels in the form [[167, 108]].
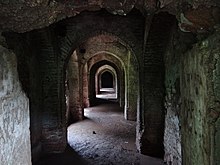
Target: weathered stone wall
[[216, 147], [214, 91], [14, 114], [200, 102], [172, 139], [27, 50], [38, 70]]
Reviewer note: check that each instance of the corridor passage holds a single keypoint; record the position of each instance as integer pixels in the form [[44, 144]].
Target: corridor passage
[[106, 138]]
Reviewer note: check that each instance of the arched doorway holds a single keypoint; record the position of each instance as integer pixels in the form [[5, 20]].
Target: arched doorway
[[107, 91], [107, 80], [97, 44]]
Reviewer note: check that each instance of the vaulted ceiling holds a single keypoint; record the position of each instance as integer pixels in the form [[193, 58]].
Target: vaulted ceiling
[[199, 16]]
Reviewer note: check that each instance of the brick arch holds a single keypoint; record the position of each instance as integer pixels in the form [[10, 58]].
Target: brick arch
[[74, 36], [118, 64], [66, 52], [100, 71], [127, 100], [114, 63], [77, 31], [68, 45], [93, 72]]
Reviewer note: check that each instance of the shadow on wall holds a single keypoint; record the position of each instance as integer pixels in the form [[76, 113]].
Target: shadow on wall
[[69, 157]]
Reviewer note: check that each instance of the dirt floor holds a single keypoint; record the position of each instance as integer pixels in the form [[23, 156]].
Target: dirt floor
[[103, 138]]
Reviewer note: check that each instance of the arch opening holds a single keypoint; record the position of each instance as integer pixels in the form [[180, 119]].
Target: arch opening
[[126, 88], [103, 48], [106, 74], [107, 80], [97, 94], [101, 68]]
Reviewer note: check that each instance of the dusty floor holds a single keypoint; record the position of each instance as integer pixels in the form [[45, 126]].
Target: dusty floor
[[107, 93], [103, 138]]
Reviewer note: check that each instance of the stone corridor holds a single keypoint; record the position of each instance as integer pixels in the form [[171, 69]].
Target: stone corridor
[[158, 60], [103, 138]]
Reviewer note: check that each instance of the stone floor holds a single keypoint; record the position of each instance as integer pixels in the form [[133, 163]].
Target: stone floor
[[107, 93], [103, 138]]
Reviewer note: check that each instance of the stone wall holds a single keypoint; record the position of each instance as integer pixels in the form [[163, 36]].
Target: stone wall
[[38, 70], [200, 81], [172, 139], [26, 47], [192, 100], [14, 114], [214, 114]]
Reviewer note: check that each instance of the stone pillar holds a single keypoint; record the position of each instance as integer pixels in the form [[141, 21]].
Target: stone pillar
[[132, 89], [54, 138], [85, 86], [153, 92], [14, 114], [73, 80]]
